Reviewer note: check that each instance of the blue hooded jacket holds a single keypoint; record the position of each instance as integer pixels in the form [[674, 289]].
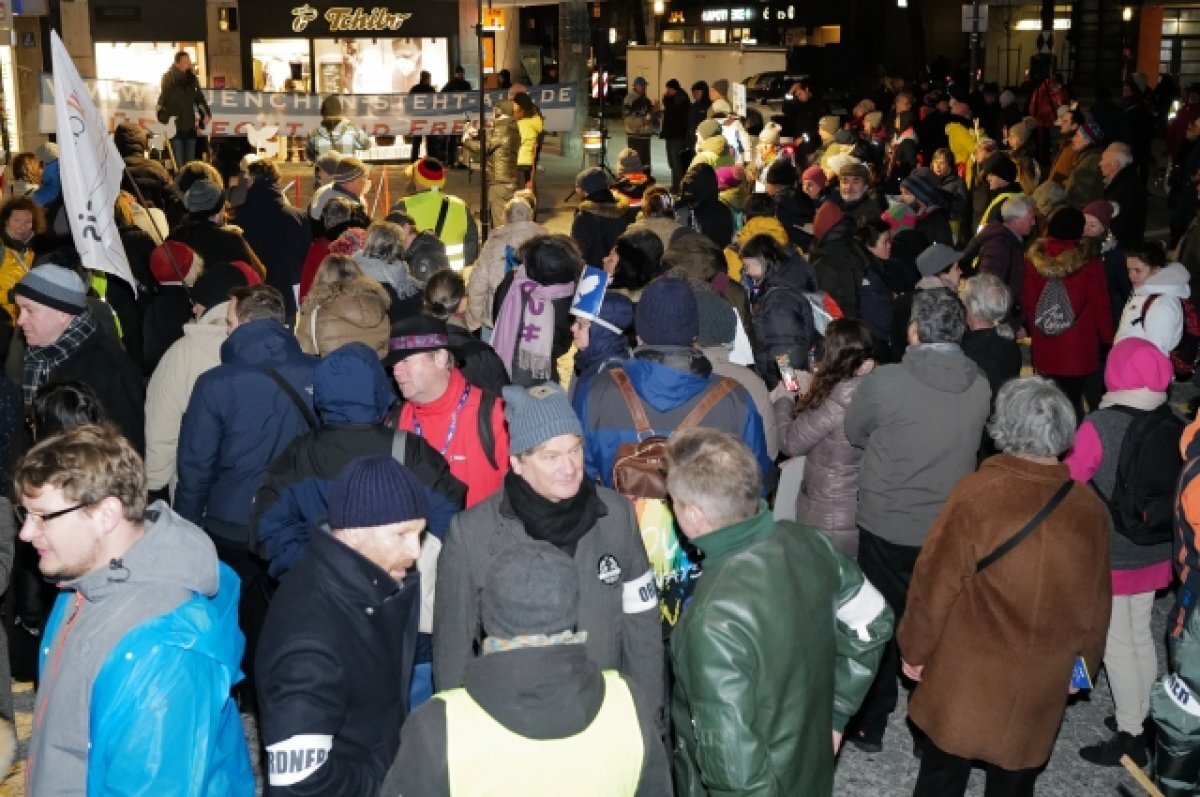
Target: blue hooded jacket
[[352, 395], [237, 422], [161, 718], [668, 393]]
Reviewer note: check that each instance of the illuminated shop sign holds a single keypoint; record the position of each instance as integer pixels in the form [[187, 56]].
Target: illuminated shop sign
[[727, 15], [344, 19]]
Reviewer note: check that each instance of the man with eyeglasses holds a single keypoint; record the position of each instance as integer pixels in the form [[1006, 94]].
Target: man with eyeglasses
[[143, 645]]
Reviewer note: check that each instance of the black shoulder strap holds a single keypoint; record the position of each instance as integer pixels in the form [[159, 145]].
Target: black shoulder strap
[[487, 438], [441, 219], [1027, 529], [305, 410], [399, 443]]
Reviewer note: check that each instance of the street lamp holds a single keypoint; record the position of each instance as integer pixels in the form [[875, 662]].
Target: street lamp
[[660, 8]]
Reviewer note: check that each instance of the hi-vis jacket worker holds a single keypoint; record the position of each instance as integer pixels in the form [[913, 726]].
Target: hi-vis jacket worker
[[448, 216]]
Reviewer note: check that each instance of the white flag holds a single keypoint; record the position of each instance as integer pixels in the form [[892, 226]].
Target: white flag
[[90, 169]]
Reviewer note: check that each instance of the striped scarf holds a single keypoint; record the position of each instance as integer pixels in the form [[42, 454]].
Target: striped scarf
[[40, 361]]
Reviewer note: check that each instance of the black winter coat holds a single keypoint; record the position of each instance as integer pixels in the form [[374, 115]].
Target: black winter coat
[[101, 364], [783, 319], [279, 234], [675, 113], [701, 207], [840, 264], [335, 660], [166, 314], [213, 242], [599, 221], [794, 209], [1127, 190], [697, 113]]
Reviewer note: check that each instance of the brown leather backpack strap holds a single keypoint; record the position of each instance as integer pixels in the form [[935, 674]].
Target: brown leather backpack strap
[[710, 400], [636, 412]]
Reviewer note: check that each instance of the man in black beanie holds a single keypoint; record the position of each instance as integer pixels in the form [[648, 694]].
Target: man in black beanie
[[534, 713], [336, 651]]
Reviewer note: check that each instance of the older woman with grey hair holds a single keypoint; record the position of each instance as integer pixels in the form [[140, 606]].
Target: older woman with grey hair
[[989, 341], [1010, 590], [382, 259], [497, 258]]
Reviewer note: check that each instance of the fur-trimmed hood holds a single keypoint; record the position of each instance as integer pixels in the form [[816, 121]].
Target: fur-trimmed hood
[[607, 210], [1066, 262], [355, 287]]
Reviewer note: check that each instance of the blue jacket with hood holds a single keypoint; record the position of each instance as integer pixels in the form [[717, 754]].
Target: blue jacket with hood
[[151, 645], [352, 395], [669, 381], [238, 420]]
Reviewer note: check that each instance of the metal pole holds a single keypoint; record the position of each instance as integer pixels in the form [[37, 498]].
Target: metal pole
[[484, 214]]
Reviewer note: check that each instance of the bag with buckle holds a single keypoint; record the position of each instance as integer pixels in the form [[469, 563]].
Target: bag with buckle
[[639, 470]]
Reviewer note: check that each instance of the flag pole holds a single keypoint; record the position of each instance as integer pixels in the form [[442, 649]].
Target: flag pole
[[170, 255]]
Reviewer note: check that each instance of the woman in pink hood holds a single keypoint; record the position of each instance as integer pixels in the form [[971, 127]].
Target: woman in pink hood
[[1137, 376]]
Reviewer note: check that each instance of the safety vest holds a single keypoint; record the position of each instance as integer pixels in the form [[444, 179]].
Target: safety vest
[[485, 759], [425, 208], [100, 286]]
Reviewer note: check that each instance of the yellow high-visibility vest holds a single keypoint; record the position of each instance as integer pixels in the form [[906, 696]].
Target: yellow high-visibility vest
[[485, 759]]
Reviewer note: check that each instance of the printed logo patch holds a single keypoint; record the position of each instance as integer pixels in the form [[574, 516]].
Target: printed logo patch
[[294, 759], [608, 569]]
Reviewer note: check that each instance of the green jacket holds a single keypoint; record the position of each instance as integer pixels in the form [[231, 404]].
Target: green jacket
[[776, 650], [1085, 183]]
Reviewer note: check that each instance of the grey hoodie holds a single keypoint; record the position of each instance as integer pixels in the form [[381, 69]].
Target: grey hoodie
[[172, 562], [919, 422]]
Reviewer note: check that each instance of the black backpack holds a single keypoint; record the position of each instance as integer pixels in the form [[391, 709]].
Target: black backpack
[[1142, 504]]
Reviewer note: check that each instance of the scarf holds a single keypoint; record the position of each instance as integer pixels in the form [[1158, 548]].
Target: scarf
[[1140, 398], [40, 361], [524, 332], [560, 523], [494, 645]]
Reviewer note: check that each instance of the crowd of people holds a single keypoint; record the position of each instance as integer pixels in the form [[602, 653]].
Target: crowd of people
[[677, 503]]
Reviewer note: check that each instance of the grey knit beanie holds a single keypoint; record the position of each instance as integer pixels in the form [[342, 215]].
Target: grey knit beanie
[[533, 589], [204, 198], [54, 286], [537, 414]]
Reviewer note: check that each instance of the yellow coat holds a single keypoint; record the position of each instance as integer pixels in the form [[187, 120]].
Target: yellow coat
[[759, 225], [530, 128], [14, 266]]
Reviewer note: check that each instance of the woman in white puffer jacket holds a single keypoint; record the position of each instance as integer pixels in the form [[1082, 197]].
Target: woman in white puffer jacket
[[1155, 309]]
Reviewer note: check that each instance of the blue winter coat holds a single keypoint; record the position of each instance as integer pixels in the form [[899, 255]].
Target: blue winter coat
[[237, 421], [668, 393], [165, 686], [352, 394]]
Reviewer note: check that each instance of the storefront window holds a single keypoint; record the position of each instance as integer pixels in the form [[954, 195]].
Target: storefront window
[[281, 65], [378, 66], [145, 62]]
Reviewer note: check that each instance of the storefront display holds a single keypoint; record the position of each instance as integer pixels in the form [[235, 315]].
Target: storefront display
[[281, 65], [338, 48], [145, 62]]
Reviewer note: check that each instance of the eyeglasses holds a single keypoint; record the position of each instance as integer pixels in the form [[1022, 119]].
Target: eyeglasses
[[24, 514]]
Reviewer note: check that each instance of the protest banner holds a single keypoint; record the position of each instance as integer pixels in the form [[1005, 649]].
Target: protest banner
[[234, 110], [90, 170]]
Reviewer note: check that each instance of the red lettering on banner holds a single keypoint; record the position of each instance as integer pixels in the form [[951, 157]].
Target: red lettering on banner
[[220, 128], [294, 128], [416, 126], [438, 129], [381, 129], [459, 124]]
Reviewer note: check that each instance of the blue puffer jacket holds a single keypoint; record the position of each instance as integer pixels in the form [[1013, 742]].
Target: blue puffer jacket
[[669, 381], [237, 422]]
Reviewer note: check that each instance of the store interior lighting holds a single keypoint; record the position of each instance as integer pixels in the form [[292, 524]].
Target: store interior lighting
[[1060, 23], [660, 8], [1127, 13]]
